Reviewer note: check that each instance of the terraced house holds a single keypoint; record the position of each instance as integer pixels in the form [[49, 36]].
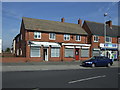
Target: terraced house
[[99, 45], [45, 40]]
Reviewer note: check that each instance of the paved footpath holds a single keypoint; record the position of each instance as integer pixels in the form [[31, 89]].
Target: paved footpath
[[34, 66]]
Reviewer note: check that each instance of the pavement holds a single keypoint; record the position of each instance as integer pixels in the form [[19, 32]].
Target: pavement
[[36, 66]]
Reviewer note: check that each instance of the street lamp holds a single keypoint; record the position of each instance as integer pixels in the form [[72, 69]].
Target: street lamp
[[105, 15]]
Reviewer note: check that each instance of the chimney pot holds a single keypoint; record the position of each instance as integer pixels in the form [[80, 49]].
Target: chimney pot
[[79, 21], [109, 23], [63, 19]]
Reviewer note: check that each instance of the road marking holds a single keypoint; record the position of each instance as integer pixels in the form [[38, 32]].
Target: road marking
[[86, 79]]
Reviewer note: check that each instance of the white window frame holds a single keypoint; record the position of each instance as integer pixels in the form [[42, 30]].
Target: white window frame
[[79, 38], [94, 38], [53, 36], [110, 39], [67, 36], [37, 33]]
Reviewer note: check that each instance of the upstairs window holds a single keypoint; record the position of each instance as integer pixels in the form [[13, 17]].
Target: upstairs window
[[37, 35], [52, 36], [108, 39], [66, 37], [96, 38], [78, 38]]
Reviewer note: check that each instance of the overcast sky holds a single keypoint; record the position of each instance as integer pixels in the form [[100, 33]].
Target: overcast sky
[[12, 14]]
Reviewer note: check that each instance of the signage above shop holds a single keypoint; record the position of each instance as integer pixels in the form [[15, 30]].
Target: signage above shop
[[108, 45]]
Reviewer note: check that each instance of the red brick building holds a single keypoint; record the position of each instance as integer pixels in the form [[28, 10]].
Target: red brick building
[[46, 40], [100, 46]]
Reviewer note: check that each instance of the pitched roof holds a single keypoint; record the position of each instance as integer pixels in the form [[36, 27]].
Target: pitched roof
[[98, 29], [52, 26]]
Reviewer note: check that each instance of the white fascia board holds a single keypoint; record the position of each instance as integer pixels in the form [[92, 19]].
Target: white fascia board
[[45, 44], [76, 44]]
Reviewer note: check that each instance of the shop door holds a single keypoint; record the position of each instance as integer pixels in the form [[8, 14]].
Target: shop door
[[45, 54], [76, 54]]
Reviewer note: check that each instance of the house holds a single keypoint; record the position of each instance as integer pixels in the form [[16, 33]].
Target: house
[[96, 37], [46, 40]]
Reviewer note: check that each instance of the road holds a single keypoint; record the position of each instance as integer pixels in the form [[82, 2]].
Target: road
[[79, 78]]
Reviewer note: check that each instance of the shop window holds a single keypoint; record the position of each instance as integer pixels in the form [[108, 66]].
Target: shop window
[[96, 38], [55, 52], [66, 37], [96, 53], [118, 40], [35, 52], [37, 35], [84, 52], [52, 36], [78, 38], [69, 52]]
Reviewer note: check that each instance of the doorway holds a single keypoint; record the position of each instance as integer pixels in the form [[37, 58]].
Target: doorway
[[76, 54], [45, 54]]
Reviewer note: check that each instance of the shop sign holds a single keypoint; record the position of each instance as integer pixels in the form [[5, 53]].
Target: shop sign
[[108, 45]]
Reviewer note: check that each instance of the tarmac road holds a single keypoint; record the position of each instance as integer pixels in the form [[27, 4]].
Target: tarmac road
[[76, 78]]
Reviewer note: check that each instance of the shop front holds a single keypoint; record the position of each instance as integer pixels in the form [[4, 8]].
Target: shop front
[[109, 50], [74, 51]]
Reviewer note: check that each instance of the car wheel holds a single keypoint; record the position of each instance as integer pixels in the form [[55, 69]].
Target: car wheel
[[108, 65], [93, 65]]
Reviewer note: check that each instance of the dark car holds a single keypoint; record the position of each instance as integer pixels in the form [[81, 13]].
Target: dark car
[[98, 61]]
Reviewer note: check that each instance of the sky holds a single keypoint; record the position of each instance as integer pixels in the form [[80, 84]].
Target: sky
[[12, 13]]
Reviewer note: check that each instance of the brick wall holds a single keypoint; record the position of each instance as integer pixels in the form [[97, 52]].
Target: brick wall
[[59, 38]]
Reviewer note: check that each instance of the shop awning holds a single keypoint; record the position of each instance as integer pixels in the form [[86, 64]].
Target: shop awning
[[114, 49], [45, 44]]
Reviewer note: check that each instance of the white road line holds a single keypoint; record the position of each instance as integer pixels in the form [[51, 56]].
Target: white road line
[[86, 79]]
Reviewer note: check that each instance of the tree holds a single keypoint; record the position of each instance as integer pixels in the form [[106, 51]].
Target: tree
[[7, 50]]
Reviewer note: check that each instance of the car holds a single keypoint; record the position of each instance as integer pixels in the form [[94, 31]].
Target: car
[[98, 61]]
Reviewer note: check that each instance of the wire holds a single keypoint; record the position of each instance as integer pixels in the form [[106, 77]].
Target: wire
[[111, 6]]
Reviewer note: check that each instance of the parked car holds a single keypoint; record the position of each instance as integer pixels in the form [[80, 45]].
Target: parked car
[[98, 61]]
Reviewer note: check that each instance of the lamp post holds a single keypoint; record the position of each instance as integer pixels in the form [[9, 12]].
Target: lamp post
[[105, 15]]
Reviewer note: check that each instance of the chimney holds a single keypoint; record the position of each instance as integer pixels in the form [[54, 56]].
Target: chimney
[[80, 21], [63, 19], [109, 23]]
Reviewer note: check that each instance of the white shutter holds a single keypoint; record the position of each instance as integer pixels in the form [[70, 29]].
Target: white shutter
[[35, 52], [55, 52], [84, 52], [69, 52]]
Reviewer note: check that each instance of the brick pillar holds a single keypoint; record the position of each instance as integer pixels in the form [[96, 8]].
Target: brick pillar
[[62, 53], [41, 52], [49, 53]]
